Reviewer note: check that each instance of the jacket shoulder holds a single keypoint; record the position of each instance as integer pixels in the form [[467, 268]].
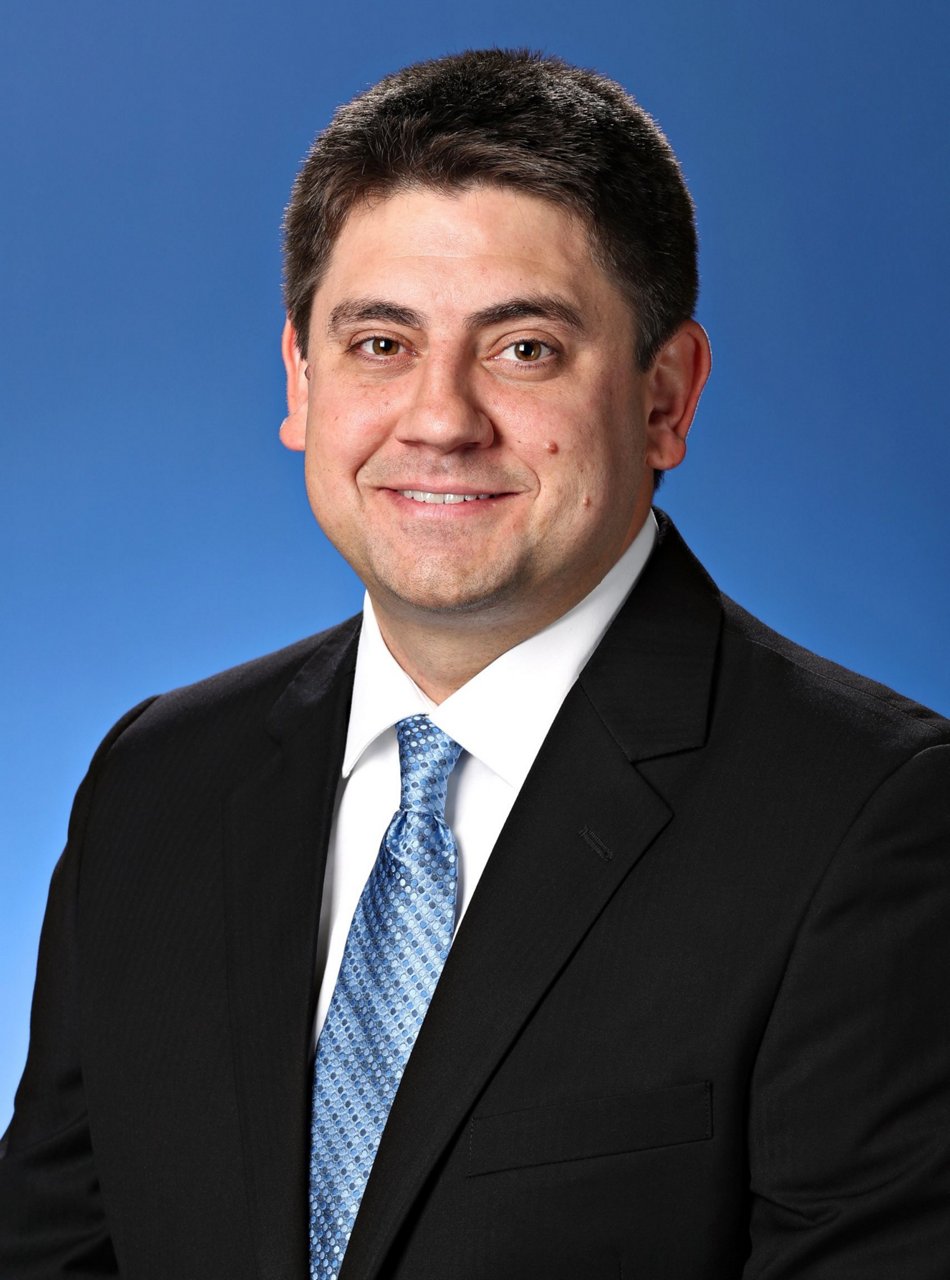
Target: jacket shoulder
[[231, 704], [839, 702]]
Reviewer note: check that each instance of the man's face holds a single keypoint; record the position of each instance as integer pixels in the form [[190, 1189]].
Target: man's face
[[477, 427]]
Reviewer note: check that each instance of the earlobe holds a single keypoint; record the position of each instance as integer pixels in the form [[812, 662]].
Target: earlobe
[[293, 429], [677, 378]]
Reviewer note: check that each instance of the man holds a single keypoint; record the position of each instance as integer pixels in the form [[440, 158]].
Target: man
[[694, 880]]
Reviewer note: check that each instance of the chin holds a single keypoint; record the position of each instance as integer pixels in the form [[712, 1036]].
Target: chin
[[436, 595]]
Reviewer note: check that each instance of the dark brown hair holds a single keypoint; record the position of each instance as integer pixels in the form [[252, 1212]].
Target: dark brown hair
[[517, 119]]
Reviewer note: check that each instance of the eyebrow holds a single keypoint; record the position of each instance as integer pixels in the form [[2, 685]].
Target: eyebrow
[[356, 310], [532, 306], [535, 306]]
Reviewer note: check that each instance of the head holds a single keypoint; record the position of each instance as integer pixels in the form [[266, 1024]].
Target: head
[[490, 277], [510, 119]]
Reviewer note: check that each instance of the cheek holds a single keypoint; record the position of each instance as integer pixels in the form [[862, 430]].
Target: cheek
[[545, 433], [583, 466], [341, 434]]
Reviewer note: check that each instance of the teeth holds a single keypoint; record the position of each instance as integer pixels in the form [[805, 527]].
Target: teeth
[[420, 495]]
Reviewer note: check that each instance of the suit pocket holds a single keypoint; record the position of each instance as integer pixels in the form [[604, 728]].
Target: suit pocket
[[596, 1127]]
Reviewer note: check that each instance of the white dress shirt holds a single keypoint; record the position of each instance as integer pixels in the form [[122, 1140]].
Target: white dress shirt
[[500, 718]]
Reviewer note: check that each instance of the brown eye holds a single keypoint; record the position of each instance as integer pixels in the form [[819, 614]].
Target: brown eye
[[382, 346], [527, 351]]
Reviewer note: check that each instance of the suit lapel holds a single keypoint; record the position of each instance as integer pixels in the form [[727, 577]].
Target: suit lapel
[[584, 817], [276, 832]]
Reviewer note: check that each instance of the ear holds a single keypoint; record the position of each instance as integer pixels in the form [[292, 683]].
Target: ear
[[675, 382], [293, 429]]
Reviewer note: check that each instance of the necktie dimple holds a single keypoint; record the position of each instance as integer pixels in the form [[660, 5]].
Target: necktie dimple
[[397, 944]]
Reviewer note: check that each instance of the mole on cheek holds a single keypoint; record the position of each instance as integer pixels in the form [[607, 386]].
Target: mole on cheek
[[551, 446], [586, 499]]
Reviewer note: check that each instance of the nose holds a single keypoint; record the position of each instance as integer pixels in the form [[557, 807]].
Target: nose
[[443, 410]]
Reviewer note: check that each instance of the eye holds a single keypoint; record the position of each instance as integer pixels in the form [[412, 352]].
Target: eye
[[380, 346], [526, 351]]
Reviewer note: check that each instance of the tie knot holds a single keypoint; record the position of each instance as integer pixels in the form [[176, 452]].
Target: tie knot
[[426, 758]]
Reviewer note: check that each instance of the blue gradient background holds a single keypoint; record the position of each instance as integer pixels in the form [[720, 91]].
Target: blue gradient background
[[157, 532]]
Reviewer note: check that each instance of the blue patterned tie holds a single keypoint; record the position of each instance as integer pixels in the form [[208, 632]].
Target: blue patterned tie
[[401, 932]]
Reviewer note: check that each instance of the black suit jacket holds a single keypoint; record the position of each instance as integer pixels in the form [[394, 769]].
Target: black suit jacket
[[694, 1023]]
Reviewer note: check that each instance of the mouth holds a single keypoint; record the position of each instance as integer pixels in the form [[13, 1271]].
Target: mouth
[[443, 499]]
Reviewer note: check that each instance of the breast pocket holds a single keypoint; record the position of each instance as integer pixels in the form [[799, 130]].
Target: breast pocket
[[594, 1127]]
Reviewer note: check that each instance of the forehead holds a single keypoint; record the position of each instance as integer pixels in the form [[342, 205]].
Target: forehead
[[464, 248]]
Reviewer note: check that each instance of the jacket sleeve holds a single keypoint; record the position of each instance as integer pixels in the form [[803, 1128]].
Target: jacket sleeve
[[52, 1218], [849, 1124]]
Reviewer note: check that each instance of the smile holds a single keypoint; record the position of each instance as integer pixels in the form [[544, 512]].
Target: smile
[[420, 495]]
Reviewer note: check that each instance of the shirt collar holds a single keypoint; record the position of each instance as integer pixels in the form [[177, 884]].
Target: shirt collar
[[524, 686]]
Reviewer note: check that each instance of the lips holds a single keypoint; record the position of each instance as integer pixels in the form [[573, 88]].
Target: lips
[[444, 499]]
